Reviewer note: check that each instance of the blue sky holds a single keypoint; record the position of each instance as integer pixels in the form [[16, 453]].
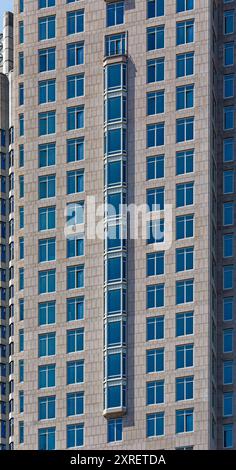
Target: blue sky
[[5, 5]]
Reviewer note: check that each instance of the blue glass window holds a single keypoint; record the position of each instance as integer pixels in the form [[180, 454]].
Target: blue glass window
[[155, 328], [75, 22], [75, 340], [184, 356], [155, 392], [75, 435], [47, 186], [46, 407], [155, 38], [47, 91], [155, 70], [184, 324], [47, 218], [184, 291], [184, 388], [75, 403], [155, 360], [47, 344], [155, 102], [47, 281], [75, 277], [155, 8], [75, 372], [75, 117], [155, 424], [75, 85], [115, 13], [155, 263], [47, 27], [47, 313], [47, 59], [184, 32], [155, 134], [75, 149], [47, 438], [75, 308], [47, 250], [75, 54], [184, 421], [185, 64], [114, 430]]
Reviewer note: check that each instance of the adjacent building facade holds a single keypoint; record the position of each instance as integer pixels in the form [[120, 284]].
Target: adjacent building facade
[[114, 341]]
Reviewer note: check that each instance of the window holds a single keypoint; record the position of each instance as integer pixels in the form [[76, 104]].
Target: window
[[21, 279], [115, 140], [47, 27], [75, 117], [47, 123], [155, 360], [184, 259], [228, 404], [75, 372], [184, 324], [21, 309], [21, 63], [229, 21], [184, 64], [46, 408], [228, 213], [184, 194], [21, 186], [115, 108], [184, 291], [155, 296], [47, 155], [155, 102], [115, 77], [21, 249], [115, 45], [47, 91], [21, 155], [47, 218], [75, 340], [229, 86], [155, 199], [75, 403], [21, 432], [184, 97], [228, 54], [228, 245], [47, 281], [75, 85], [47, 376], [114, 430], [228, 436], [75, 181], [227, 372], [184, 388], [47, 313], [227, 341], [47, 250], [228, 118], [75, 277], [155, 231], [21, 94], [75, 150], [47, 3], [75, 54], [47, 59], [155, 392], [155, 167], [155, 424], [228, 303], [21, 32], [155, 38], [184, 421], [47, 344], [155, 328], [21, 6], [228, 150], [184, 129], [21, 340], [184, 226], [47, 186], [21, 401], [155, 134], [155, 8], [75, 22], [184, 356], [75, 308], [115, 13], [155, 70], [184, 32], [47, 438], [155, 263], [184, 162], [75, 246], [184, 5], [75, 435], [228, 272], [21, 125]]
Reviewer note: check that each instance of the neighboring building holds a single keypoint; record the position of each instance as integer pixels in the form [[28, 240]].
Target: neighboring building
[[115, 344], [6, 64]]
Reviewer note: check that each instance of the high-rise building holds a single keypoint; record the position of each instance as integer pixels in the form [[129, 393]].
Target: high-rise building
[[118, 341]]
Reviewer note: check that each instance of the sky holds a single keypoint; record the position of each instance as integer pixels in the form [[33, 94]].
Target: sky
[[5, 5]]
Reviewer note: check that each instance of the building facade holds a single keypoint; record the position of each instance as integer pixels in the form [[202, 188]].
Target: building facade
[[122, 342]]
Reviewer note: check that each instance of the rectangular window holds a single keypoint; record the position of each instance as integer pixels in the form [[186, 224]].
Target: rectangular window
[[114, 14], [155, 38], [155, 102], [47, 154], [75, 150], [155, 296], [184, 5], [114, 430], [184, 129], [47, 344], [47, 3], [229, 22], [228, 277], [184, 388], [75, 277], [155, 134], [155, 263], [228, 436], [184, 356], [47, 91], [228, 213], [46, 408], [47, 27], [228, 303], [47, 376], [184, 324], [228, 375], [47, 59], [47, 218], [47, 186], [115, 45], [75, 403], [228, 404], [184, 259], [75, 372], [184, 97], [47, 281], [21, 32], [155, 328], [75, 54], [155, 199], [229, 86], [184, 32], [228, 54], [155, 167], [75, 22], [21, 155], [47, 250], [155, 392], [75, 308], [184, 194], [184, 291], [75, 118], [184, 64], [75, 246], [75, 435], [21, 125], [75, 85], [47, 123], [228, 245], [21, 94], [21, 63], [47, 439], [184, 162], [156, 70], [228, 149], [155, 8], [75, 181], [228, 341], [184, 421], [155, 425], [155, 360], [47, 313], [75, 340]]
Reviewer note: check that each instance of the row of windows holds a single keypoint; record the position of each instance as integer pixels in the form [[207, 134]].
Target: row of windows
[[155, 264], [47, 121]]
